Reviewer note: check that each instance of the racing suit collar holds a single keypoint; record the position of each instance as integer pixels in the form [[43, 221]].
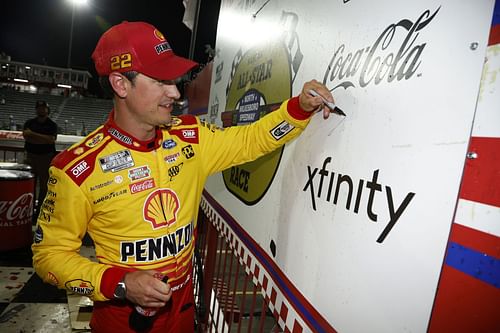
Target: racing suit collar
[[126, 139]]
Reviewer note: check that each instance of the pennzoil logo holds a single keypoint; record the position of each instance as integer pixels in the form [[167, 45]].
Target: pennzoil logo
[[175, 121], [161, 208], [81, 287], [163, 47], [120, 136], [94, 141]]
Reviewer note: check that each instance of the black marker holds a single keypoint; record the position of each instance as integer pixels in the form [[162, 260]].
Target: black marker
[[331, 106]]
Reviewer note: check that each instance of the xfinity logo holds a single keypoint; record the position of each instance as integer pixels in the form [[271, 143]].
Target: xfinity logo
[[329, 186], [383, 60]]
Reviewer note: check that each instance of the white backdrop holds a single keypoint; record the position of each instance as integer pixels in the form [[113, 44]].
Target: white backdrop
[[409, 76]]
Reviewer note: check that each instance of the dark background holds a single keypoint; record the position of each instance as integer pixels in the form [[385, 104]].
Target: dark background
[[38, 31]]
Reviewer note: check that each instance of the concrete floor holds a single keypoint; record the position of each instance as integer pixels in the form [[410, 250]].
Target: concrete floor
[[29, 305]]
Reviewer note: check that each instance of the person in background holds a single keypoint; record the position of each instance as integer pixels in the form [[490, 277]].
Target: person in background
[[135, 184], [40, 134]]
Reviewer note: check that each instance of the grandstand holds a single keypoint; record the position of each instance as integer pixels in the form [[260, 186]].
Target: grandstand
[[21, 84], [74, 115], [80, 115]]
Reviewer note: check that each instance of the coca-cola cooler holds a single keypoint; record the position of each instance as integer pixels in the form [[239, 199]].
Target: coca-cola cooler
[[17, 188]]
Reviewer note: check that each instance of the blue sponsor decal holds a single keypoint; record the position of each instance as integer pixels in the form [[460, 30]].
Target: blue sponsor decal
[[169, 144], [249, 107]]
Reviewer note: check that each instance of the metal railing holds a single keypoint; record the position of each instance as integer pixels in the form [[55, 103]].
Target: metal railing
[[9, 154], [227, 299]]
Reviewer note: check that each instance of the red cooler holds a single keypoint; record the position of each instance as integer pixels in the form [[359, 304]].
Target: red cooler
[[17, 189]]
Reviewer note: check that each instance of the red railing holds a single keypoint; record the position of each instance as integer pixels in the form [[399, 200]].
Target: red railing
[[227, 298]]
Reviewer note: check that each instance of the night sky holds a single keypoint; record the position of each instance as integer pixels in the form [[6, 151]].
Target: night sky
[[38, 31]]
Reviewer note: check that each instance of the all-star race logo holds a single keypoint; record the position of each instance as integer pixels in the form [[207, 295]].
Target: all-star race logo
[[261, 80]]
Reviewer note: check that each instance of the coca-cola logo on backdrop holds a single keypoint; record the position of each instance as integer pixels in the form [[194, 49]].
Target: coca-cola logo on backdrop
[[383, 60], [18, 211]]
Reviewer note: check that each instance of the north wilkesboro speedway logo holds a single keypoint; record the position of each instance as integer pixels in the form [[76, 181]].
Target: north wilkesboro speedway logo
[[261, 79], [394, 55]]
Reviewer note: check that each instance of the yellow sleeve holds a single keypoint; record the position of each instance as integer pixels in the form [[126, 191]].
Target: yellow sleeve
[[223, 148], [61, 226]]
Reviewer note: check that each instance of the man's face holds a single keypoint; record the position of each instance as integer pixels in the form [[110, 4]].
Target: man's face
[[151, 101], [42, 111]]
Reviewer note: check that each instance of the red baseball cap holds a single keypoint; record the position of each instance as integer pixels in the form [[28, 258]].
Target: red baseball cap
[[138, 46]]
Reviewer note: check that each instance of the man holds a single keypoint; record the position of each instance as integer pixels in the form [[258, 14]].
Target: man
[[40, 134], [135, 184]]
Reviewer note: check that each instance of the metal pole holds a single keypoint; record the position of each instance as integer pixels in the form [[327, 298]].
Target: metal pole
[[71, 35], [192, 44]]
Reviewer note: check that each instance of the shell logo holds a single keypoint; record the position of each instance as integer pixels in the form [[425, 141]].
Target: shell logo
[[161, 207], [78, 151], [159, 35], [52, 279]]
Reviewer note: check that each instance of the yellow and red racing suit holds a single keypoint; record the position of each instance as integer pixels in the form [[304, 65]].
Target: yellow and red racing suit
[[139, 200]]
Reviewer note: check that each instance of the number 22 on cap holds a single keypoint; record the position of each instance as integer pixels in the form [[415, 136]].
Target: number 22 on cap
[[121, 61]]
